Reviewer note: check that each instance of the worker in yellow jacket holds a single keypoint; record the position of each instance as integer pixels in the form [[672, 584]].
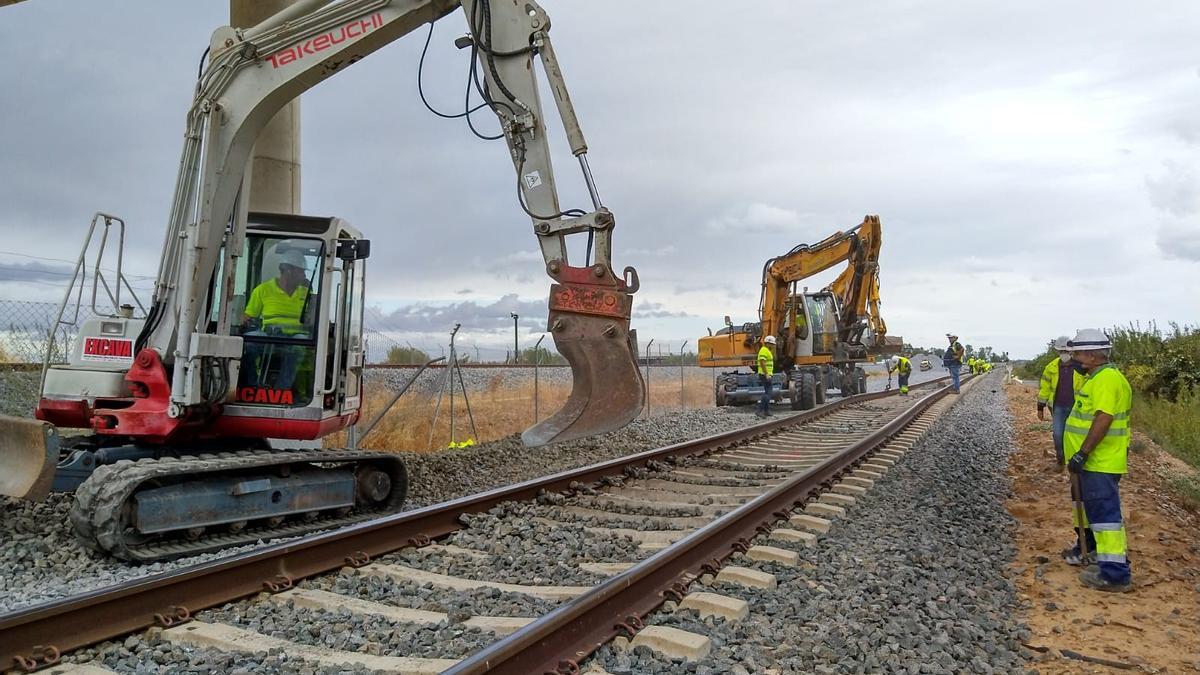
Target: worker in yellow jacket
[[1056, 391], [1096, 446]]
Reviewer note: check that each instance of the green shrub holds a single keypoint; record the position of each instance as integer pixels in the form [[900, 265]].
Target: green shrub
[[1175, 425]]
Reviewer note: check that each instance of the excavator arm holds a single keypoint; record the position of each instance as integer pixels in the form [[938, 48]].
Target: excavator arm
[[858, 246], [252, 73]]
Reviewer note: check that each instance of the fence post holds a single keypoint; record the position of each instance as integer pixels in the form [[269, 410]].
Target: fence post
[[648, 377], [537, 362], [681, 373]]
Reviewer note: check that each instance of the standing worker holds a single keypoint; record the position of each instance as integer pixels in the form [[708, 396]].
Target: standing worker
[[766, 368], [1059, 383], [953, 359], [1096, 443], [903, 368]]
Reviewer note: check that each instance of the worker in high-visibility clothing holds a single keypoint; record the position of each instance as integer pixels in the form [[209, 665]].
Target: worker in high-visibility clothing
[[952, 359], [274, 309], [1095, 444], [1057, 390], [903, 368], [766, 368]]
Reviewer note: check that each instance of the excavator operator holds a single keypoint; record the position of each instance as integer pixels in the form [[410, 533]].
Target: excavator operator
[[275, 308]]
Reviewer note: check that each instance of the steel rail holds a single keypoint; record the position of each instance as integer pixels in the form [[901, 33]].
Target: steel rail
[[35, 634], [556, 642]]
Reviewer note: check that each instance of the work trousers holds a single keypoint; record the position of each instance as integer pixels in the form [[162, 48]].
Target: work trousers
[[903, 378], [1058, 424], [1102, 507], [764, 404], [954, 368]]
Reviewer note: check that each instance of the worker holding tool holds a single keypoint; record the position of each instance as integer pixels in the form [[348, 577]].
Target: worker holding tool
[[903, 368], [766, 368], [1059, 383], [1095, 444], [952, 359]]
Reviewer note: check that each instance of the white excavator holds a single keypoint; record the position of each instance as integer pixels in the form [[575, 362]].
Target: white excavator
[[175, 408]]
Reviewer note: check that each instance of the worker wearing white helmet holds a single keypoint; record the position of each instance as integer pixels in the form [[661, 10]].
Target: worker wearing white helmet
[[903, 368], [953, 359], [766, 368], [1059, 383], [1095, 445], [274, 310]]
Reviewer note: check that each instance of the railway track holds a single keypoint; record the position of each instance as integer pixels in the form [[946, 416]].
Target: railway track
[[530, 578]]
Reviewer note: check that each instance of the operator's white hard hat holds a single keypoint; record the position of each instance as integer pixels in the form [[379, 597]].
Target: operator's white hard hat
[[1060, 343], [1089, 339], [770, 339], [293, 258]]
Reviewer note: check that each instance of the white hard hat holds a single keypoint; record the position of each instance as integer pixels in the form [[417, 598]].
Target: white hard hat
[[770, 339], [293, 258], [1089, 339], [893, 360], [1060, 343]]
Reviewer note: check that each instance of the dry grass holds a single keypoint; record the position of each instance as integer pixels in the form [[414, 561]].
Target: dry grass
[[501, 410]]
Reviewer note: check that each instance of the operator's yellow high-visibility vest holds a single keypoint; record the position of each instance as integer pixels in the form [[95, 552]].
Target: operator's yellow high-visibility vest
[[1049, 383], [276, 308], [766, 361], [1107, 391]]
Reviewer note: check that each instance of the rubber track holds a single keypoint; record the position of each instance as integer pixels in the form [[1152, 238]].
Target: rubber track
[[100, 500]]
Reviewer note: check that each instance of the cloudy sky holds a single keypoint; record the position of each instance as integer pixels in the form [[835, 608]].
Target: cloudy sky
[[1036, 165]]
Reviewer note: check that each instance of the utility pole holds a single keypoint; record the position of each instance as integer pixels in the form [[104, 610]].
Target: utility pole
[[516, 344], [274, 169]]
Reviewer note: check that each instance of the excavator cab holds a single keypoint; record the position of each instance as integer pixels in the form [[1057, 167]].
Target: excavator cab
[[297, 303]]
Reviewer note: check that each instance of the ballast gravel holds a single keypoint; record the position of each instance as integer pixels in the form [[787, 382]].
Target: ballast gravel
[[911, 580], [41, 561], [349, 632]]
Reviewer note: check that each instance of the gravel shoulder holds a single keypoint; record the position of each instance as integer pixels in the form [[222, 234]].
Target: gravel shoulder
[[1157, 626], [911, 580]]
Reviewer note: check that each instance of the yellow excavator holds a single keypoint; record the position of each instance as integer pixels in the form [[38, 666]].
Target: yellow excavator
[[821, 337]]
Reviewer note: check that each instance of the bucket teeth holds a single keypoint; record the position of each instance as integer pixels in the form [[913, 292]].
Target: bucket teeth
[[607, 388]]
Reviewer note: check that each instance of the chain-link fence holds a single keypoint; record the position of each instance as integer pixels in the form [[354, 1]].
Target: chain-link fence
[[29, 329], [25, 329]]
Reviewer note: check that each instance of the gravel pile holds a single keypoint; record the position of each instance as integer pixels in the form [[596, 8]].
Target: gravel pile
[[475, 379], [19, 392], [449, 474], [922, 593]]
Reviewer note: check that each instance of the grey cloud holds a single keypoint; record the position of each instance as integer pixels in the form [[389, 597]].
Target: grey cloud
[[35, 272], [1180, 240], [1176, 190], [657, 310], [474, 316]]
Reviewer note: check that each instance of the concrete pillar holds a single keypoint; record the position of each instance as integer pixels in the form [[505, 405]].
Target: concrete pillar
[[275, 163]]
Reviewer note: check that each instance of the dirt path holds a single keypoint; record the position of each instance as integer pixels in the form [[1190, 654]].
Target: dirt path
[[1155, 627]]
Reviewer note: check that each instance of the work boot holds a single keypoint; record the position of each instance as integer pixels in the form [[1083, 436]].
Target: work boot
[[1074, 559], [1092, 578]]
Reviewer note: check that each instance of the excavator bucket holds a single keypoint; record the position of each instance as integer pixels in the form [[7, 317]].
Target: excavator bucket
[[28, 457], [607, 388]]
